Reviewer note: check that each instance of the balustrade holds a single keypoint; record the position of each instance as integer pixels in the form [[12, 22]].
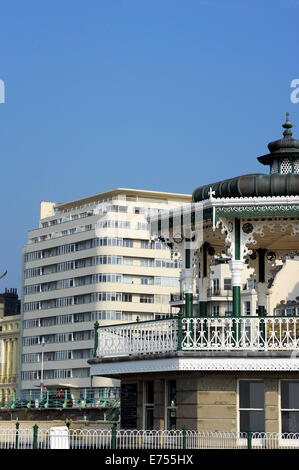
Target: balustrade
[[200, 334]]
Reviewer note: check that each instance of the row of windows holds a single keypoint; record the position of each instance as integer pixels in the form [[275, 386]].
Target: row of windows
[[63, 219], [99, 278], [118, 224], [55, 374], [100, 260], [63, 233], [57, 355], [85, 317], [95, 242], [251, 406], [95, 297], [59, 338]]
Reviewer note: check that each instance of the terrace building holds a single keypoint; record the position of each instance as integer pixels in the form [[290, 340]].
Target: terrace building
[[9, 342]]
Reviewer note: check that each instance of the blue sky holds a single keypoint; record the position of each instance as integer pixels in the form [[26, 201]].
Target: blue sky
[[150, 94]]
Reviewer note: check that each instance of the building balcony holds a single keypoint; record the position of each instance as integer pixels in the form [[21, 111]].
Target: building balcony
[[258, 335]]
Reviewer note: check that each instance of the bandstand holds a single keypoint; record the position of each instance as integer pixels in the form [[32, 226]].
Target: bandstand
[[225, 373]]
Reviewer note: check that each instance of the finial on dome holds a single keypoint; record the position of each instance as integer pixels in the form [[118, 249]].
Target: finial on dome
[[287, 125]]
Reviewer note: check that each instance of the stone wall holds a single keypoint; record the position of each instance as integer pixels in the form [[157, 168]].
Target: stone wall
[[209, 401]]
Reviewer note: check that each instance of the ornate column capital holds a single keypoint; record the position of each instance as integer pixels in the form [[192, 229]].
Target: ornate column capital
[[236, 267]]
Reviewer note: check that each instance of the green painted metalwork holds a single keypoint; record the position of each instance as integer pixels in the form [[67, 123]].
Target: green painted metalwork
[[189, 304], [236, 301], [291, 210], [85, 399], [180, 330], [262, 313], [47, 400], [17, 434], [237, 239], [184, 437], [113, 437], [202, 308], [96, 338], [13, 405], [35, 434], [249, 440], [65, 400]]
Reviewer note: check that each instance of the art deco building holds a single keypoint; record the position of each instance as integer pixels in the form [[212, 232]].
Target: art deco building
[[90, 260]]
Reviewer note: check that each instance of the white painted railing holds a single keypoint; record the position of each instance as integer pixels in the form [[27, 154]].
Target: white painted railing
[[250, 334], [143, 439], [138, 338], [200, 334]]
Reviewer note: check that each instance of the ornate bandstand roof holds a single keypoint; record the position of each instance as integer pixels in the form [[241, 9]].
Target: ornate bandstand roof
[[283, 179]]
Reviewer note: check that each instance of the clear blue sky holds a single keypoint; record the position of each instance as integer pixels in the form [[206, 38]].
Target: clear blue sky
[[149, 94]]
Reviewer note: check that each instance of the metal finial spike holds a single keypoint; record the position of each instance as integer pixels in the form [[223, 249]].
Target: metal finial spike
[[287, 124]]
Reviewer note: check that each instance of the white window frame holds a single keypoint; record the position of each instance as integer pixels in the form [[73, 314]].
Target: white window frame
[[242, 442]]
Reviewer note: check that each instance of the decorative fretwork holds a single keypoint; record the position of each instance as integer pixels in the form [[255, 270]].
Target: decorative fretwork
[[296, 166], [257, 211], [286, 166]]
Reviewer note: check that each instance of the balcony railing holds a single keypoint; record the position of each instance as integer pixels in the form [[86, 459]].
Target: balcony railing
[[200, 334], [144, 337]]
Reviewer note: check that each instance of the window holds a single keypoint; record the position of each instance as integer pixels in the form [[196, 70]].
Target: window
[[289, 392], [127, 242], [147, 262], [227, 284], [149, 405], [250, 284], [127, 297], [146, 299], [146, 280], [251, 406], [215, 286], [171, 408], [247, 308], [216, 310]]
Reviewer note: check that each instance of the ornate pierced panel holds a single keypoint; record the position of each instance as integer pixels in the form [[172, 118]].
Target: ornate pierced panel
[[286, 166], [274, 167]]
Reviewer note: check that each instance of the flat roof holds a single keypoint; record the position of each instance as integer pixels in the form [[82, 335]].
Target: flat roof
[[126, 191]]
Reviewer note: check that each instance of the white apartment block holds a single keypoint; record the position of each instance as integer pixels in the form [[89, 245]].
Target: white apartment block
[[90, 260]]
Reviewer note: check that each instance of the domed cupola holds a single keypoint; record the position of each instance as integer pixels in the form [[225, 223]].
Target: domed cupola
[[284, 153]]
